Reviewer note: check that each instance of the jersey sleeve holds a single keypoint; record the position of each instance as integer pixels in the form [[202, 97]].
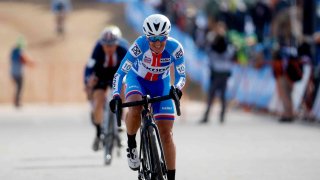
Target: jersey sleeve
[[126, 64], [92, 61], [179, 67], [98, 56], [88, 70]]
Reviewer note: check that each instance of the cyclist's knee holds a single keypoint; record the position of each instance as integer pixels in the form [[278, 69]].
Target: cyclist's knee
[[134, 112], [98, 106], [167, 139], [166, 136], [99, 100]]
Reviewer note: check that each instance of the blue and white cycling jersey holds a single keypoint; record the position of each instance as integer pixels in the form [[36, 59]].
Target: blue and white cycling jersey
[[150, 66]]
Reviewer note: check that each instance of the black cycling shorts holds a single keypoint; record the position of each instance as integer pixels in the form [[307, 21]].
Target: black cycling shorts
[[102, 85]]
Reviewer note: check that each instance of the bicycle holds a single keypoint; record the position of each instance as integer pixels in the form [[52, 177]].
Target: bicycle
[[153, 164], [110, 133]]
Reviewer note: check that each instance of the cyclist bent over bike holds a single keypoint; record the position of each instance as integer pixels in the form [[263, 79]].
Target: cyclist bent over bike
[[99, 72], [147, 69]]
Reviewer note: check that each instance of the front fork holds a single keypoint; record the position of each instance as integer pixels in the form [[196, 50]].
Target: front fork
[[147, 121]]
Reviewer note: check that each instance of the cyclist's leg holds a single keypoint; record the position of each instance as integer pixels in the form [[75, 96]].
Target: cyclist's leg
[[99, 100], [133, 119], [124, 110], [133, 92], [164, 116], [89, 93], [98, 105], [166, 134]]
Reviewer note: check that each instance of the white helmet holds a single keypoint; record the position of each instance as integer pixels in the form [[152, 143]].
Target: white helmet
[[110, 35], [156, 24]]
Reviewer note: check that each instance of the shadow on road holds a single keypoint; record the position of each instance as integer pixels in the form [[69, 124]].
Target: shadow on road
[[62, 166]]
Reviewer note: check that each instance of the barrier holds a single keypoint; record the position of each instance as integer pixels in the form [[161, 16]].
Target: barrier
[[246, 85], [251, 86], [316, 106]]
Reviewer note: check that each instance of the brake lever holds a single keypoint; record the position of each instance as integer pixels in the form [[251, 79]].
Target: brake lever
[[118, 113], [176, 100]]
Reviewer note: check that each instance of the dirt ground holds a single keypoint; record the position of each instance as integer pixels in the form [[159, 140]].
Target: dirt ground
[[59, 61]]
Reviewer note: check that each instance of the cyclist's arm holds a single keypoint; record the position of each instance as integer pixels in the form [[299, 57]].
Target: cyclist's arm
[[179, 68], [88, 70], [126, 64], [123, 69], [93, 62]]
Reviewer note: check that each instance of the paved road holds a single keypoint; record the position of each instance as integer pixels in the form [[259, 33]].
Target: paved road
[[54, 143]]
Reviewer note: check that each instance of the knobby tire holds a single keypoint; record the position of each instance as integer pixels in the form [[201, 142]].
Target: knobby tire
[[155, 154], [109, 138]]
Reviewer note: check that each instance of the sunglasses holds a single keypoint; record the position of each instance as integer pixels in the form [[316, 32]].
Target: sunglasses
[[157, 38], [108, 42]]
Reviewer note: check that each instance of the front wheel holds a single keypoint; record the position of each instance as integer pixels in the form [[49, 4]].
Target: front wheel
[[109, 138], [158, 162], [108, 148]]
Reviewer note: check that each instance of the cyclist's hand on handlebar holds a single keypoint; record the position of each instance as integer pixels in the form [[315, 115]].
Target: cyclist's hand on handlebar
[[179, 92], [176, 91], [115, 101], [176, 94]]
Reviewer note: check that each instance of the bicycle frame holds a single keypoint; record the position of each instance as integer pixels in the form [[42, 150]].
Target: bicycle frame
[[147, 121], [151, 151]]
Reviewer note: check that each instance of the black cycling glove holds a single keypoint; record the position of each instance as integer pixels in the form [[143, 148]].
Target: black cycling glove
[[113, 102], [179, 92]]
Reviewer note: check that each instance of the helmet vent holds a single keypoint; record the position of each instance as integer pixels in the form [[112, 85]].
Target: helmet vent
[[156, 26], [164, 25], [150, 30]]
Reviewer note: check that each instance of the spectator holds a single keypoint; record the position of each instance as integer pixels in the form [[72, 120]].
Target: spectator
[[180, 14], [201, 28], [60, 8], [305, 55], [286, 65], [220, 63], [283, 82], [233, 13], [212, 8], [316, 64], [18, 59], [261, 17]]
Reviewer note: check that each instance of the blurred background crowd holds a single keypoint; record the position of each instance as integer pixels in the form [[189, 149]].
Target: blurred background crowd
[[275, 65], [280, 34]]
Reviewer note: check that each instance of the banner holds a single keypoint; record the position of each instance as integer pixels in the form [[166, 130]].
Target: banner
[[251, 86]]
